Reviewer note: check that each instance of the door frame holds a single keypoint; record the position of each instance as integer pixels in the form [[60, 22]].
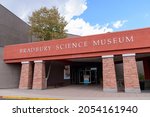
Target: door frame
[[84, 73]]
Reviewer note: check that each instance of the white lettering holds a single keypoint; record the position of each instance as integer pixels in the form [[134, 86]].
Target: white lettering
[[36, 49], [20, 50], [120, 40], [109, 41], [57, 47], [85, 44], [103, 41], [114, 40], [74, 45], [95, 43], [81, 44], [71, 45], [129, 39], [125, 39]]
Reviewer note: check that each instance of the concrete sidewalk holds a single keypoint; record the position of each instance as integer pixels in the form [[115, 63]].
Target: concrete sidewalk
[[74, 92]]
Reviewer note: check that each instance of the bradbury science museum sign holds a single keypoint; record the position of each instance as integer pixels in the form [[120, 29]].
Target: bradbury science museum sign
[[79, 44], [86, 46]]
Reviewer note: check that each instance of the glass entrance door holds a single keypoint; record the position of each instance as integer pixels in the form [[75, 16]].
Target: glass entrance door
[[84, 74], [94, 75], [81, 76], [87, 76]]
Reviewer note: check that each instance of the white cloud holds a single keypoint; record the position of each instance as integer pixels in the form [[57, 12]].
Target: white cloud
[[119, 23], [80, 27], [67, 8], [24, 8], [73, 8]]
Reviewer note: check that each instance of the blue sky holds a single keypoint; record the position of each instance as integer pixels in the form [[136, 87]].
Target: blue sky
[[87, 17], [136, 12]]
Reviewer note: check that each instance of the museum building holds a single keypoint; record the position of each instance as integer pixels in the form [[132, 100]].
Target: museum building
[[113, 61], [89, 59]]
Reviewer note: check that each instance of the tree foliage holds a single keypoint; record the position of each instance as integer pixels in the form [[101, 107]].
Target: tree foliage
[[47, 24]]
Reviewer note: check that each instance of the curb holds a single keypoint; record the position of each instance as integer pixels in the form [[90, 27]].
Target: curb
[[26, 98]]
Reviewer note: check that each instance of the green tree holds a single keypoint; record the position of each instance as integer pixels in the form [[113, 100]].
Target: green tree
[[47, 24]]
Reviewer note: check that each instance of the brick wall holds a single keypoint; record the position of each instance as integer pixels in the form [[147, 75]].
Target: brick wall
[[109, 75], [26, 76], [131, 79], [39, 80]]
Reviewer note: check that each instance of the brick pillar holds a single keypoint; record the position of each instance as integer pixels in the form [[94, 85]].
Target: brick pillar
[[131, 79], [39, 80], [26, 75], [109, 74], [146, 65]]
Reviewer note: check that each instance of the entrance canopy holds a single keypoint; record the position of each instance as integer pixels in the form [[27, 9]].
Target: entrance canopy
[[133, 41]]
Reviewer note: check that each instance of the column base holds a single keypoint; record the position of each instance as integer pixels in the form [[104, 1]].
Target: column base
[[25, 88], [132, 90], [110, 90]]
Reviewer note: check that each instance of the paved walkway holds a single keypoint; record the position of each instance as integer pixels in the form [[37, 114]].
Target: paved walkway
[[75, 92]]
